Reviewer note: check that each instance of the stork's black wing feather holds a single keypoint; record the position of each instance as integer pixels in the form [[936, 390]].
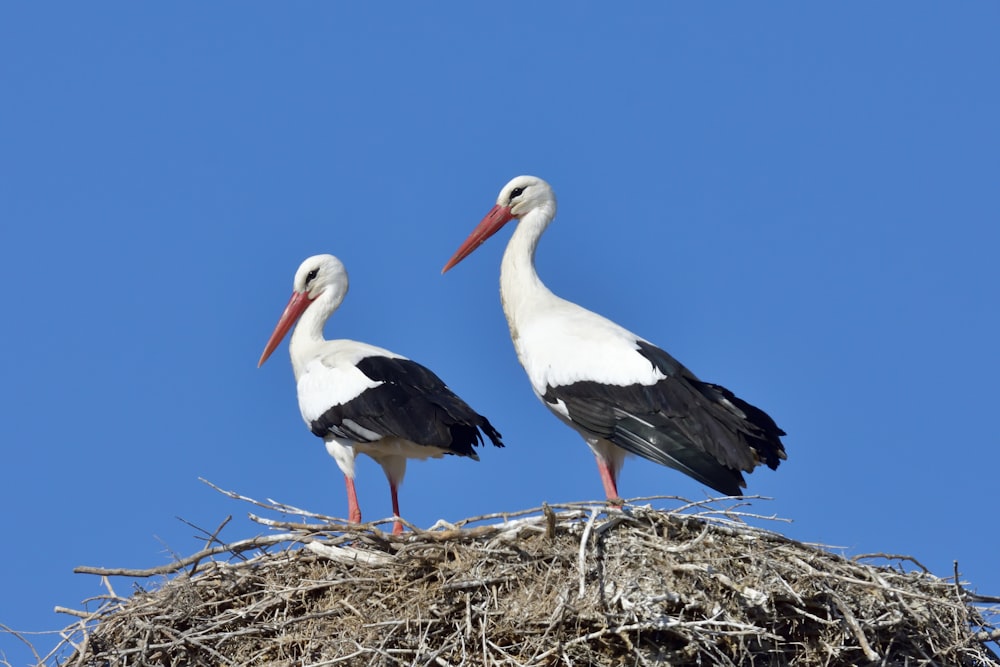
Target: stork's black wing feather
[[699, 428], [411, 403]]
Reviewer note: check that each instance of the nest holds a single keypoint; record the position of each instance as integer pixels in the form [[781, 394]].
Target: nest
[[574, 584]]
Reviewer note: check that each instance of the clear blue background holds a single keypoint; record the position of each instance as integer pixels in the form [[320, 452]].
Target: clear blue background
[[799, 202]]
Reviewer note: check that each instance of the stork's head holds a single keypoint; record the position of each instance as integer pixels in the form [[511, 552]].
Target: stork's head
[[318, 274], [319, 277], [524, 194], [521, 196]]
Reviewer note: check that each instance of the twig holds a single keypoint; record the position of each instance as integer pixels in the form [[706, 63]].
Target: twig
[[885, 556], [852, 623], [74, 612], [278, 507], [474, 583], [170, 568], [311, 528], [582, 559], [349, 554], [550, 521], [211, 538], [20, 636]]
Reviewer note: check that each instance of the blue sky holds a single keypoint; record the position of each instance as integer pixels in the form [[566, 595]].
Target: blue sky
[[798, 202]]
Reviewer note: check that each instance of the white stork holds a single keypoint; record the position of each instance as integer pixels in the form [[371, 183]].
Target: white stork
[[620, 392], [362, 399]]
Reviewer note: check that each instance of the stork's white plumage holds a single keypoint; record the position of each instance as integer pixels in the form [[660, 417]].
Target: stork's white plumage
[[362, 399], [619, 391]]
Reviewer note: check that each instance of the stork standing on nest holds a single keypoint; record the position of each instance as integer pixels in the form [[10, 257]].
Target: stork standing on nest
[[619, 391], [363, 399]]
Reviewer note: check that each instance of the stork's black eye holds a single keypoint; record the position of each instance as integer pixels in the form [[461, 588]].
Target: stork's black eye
[[516, 192], [311, 276]]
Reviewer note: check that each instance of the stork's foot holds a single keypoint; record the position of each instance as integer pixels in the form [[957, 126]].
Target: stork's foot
[[397, 528]]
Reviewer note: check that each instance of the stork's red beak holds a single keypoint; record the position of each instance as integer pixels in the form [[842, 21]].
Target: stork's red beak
[[296, 306], [490, 225]]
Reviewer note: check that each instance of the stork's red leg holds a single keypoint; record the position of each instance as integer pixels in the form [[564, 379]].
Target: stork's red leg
[[397, 527], [353, 510], [608, 479]]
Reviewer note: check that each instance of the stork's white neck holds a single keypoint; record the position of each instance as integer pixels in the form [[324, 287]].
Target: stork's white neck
[[521, 290], [308, 333]]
